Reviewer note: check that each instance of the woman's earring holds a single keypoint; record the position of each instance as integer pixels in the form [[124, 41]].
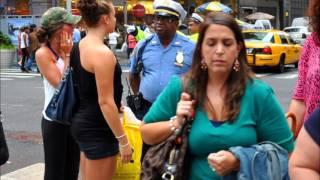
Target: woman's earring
[[236, 65], [203, 65]]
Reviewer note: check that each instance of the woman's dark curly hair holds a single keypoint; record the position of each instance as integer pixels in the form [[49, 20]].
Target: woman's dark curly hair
[[314, 14], [44, 34], [92, 10]]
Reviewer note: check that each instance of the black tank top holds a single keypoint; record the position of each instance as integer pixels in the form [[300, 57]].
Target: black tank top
[[86, 84], [88, 123]]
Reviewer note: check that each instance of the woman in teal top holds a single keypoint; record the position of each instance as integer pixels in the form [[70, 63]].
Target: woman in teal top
[[231, 107]]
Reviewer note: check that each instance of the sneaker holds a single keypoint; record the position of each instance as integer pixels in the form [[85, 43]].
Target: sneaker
[[24, 70]]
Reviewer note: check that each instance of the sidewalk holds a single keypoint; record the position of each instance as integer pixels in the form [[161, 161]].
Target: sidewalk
[[122, 57], [32, 172]]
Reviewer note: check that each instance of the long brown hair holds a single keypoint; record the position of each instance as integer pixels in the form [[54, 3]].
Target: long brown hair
[[314, 14], [197, 79]]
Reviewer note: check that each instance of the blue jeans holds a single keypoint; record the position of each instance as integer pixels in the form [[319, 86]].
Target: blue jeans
[[31, 60]]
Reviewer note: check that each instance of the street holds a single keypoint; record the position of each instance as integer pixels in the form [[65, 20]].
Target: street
[[22, 101]]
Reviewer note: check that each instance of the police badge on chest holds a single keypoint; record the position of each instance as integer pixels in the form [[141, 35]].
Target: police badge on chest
[[179, 59]]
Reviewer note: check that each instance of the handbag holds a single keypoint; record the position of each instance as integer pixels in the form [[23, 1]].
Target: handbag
[[4, 151], [167, 160], [62, 104], [136, 102]]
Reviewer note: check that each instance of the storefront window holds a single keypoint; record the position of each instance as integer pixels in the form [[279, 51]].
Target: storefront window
[[63, 3], [17, 7]]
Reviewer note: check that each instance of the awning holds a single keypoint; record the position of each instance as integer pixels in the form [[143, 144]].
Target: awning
[[148, 5]]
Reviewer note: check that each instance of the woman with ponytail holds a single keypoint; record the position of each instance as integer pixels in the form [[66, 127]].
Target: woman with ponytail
[[96, 124], [61, 153]]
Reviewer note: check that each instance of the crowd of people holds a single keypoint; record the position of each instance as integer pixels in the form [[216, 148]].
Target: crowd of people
[[203, 77]]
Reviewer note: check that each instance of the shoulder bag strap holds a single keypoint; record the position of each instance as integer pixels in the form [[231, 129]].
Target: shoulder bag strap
[[139, 64], [53, 51]]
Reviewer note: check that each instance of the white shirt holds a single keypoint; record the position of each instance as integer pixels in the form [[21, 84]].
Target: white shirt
[[49, 89], [23, 44], [113, 38]]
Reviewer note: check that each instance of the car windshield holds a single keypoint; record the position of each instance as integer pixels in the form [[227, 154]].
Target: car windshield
[[258, 37], [301, 21]]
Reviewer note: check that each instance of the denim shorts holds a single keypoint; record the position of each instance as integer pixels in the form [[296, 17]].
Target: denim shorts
[[98, 150]]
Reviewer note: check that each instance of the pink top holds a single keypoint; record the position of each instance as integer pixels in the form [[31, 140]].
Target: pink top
[[308, 85], [131, 41]]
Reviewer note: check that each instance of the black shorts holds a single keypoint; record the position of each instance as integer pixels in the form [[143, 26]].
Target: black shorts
[[98, 150]]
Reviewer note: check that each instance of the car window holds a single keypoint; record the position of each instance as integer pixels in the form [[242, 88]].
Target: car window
[[266, 25], [258, 36], [272, 39], [292, 30], [283, 39]]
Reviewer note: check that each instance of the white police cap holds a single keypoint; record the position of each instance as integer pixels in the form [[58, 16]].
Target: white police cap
[[196, 17], [169, 8]]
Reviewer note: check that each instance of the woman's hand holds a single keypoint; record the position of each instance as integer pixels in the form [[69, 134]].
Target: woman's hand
[[121, 109], [223, 162], [126, 153], [66, 43], [185, 107]]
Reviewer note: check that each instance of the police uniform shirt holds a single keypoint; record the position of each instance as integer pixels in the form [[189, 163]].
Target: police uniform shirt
[[160, 63]]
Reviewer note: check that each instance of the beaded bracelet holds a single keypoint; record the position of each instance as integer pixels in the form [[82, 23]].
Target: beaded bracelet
[[122, 146], [121, 136], [172, 127]]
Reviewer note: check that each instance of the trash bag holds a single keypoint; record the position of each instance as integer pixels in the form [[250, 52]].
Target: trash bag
[[132, 170]]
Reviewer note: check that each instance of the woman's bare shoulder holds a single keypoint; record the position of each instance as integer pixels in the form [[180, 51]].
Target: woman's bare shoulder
[[104, 55], [43, 54]]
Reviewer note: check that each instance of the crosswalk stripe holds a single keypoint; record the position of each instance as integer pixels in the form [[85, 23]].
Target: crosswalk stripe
[[11, 74], [20, 74], [5, 79], [125, 70], [10, 70], [14, 76]]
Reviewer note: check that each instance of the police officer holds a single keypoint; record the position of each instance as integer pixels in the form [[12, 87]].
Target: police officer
[[162, 55], [194, 23], [165, 53]]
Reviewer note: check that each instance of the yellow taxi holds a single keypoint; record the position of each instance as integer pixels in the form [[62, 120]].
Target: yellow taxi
[[271, 48]]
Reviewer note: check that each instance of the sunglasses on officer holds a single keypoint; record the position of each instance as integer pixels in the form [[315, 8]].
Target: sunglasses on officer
[[168, 19]]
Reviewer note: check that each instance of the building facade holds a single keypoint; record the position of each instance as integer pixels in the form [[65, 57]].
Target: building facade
[[298, 8], [283, 10]]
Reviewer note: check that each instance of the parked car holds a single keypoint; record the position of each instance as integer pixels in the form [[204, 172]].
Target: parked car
[[298, 33], [246, 26], [272, 48], [262, 24]]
